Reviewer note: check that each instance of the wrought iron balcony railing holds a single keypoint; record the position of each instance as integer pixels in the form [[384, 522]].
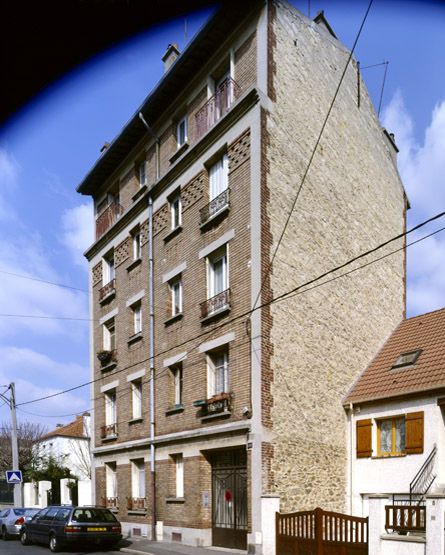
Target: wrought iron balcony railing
[[108, 218], [110, 287], [110, 502], [215, 205], [218, 403], [136, 503], [109, 430], [215, 304], [217, 106]]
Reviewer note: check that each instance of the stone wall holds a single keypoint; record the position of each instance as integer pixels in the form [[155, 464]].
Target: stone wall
[[351, 201]]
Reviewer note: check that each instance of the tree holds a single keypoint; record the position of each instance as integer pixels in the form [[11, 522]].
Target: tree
[[81, 456], [28, 433]]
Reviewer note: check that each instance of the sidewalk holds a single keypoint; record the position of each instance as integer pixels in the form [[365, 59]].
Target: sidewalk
[[141, 546]]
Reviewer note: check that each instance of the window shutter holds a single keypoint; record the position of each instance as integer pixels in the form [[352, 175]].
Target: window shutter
[[414, 432], [364, 438]]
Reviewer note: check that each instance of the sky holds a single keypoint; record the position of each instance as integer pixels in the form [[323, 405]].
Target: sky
[[48, 147]]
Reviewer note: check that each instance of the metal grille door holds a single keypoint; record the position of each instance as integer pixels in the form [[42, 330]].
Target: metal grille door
[[229, 507]]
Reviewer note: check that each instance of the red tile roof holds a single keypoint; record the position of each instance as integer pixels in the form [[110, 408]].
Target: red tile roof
[[380, 380], [73, 429]]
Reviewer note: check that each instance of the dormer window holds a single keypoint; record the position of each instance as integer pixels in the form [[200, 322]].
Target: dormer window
[[407, 359]]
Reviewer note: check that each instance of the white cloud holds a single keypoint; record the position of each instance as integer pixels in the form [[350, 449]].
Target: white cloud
[[9, 173], [30, 370], [422, 167], [78, 231]]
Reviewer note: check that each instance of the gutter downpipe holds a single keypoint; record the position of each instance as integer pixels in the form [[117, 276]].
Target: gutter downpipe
[[351, 431], [152, 334]]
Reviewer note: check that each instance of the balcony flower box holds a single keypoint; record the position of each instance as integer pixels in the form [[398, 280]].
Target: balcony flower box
[[105, 357]]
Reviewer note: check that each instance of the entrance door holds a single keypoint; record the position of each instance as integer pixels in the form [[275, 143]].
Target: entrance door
[[229, 499]]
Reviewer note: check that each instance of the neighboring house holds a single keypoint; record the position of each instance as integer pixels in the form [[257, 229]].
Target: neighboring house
[[70, 446], [396, 412], [203, 410]]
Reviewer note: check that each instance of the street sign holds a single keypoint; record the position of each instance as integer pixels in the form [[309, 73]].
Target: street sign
[[14, 476]]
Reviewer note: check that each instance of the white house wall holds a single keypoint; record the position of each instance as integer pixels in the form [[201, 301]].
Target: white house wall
[[386, 475]]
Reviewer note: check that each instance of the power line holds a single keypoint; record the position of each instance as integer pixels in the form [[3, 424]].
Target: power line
[[314, 150], [250, 311], [43, 281]]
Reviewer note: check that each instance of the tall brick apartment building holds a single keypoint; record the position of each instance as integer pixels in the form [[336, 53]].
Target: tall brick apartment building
[[205, 412]]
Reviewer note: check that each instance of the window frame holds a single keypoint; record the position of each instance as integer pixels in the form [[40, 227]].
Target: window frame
[[110, 407], [175, 288], [175, 211], [136, 243], [109, 335], [108, 268], [136, 399], [111, 483], [142, 173], [213, 368], [220, 254], [218, 173], [179, 475], [181, 141], [136, 309], [138, 484], [177, 383], [393, 419]]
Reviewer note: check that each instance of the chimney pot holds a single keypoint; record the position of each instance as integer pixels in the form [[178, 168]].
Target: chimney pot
[[171, 55]]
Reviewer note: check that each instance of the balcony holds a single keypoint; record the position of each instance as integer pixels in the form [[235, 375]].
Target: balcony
[[107, 291], [136, 504], [405, 518], [215, 207], [217, 106], [216, 305], [109, 431], [108, 218]]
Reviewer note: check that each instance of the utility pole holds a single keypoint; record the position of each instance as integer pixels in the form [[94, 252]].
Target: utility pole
[[18, 502]]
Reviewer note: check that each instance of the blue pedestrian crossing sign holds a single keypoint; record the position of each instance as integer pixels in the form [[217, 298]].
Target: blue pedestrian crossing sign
[[14, 476]]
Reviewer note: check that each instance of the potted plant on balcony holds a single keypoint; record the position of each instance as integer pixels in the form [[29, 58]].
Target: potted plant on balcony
[[105, 357]]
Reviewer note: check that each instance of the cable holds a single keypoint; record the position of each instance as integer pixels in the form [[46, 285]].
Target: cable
[[247, 313], [43, 281], [317, 142], [47, 317]]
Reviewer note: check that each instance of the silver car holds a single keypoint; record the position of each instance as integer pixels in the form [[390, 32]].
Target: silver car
[[11, 520]]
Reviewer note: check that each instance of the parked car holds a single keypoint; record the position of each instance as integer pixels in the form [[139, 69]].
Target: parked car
[[60, 525], [11, 520]]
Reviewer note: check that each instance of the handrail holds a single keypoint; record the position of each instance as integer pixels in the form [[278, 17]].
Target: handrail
[[419, 478]]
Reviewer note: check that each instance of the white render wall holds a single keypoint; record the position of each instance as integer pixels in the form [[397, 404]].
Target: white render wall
[[69, 451], [388, 475]]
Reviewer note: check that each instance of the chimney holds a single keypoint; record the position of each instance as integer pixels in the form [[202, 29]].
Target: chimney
[[170, 56]]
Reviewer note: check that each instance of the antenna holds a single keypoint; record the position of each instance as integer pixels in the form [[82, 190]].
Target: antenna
[[385, 63]]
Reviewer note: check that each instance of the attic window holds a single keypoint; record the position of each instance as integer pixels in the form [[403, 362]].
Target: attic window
[[406, 359]]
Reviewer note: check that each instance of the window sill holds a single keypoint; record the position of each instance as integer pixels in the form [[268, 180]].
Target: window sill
[[135, 338], [173, 319], [174, 410], [109, 438], [172, 233], [134, 264], [398, 456], [215, 218], [137, 511], [216, 314], [178, 500], [179, 152], [136, 420], [108, 297], [223, 414], [139, 192], [108, 367]]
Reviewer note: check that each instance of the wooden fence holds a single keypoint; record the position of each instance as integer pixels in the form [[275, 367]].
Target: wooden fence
[[320, 532]]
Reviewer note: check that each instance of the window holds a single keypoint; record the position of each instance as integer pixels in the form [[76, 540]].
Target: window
[[175, 212], [219, 177], [136, 398], [406, 359], [108, 268], [110, 482], [402, 434], [179, 475], [138, 479], [136, 242], [181, 131], [110, 409], [176, 373], [137, 318], [218, 277], [218, 372], [391, 437], [109, 335], [142, 173], [176, 296]]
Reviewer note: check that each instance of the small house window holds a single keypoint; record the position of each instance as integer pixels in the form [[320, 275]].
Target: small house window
[[175, 212], [142, 173], [181, 132], [391, 437], [406, 359]]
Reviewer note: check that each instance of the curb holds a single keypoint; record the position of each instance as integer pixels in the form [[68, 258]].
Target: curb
[[129, 550]]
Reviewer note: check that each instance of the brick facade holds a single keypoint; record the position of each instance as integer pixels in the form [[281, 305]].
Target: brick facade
[[290, 364]]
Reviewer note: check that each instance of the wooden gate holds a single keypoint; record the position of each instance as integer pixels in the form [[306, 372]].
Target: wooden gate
[[320, 532]]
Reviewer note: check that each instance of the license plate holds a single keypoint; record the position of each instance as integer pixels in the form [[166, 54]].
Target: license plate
[[96, 529]]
